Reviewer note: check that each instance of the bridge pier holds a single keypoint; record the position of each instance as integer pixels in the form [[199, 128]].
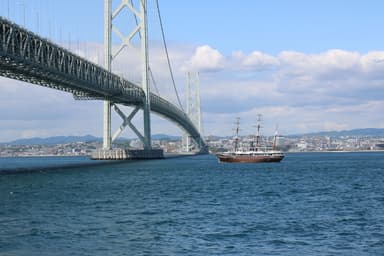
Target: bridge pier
[[127, 154]]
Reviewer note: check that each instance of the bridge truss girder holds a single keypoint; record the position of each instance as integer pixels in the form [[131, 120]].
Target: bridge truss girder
[[27, 57]]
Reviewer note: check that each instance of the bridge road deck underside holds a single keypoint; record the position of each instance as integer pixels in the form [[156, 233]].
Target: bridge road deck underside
[[27, 57]]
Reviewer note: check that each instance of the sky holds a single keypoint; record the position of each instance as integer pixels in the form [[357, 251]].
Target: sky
[[306, 66]]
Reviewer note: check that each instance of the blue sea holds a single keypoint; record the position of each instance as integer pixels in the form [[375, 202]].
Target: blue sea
[[309, 204]]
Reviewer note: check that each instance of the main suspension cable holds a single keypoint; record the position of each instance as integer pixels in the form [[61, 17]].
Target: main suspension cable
[[166, 52]]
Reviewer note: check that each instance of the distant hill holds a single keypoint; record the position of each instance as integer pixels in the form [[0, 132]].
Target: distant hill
[[165, 137], [89, 138], [354, 132], [373, 132], [71, 139], [53, 140]]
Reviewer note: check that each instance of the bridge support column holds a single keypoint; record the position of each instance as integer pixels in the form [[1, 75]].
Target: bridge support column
[[107, 125], [141, 27], [145, 84], [107, 64], [193, 110]]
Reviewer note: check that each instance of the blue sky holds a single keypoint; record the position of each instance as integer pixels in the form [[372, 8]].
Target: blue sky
[[274, 26], [305, 65], [269, 26]]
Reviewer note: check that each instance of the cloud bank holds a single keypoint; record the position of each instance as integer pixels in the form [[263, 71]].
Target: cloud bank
[[300, 92], [331, 90]]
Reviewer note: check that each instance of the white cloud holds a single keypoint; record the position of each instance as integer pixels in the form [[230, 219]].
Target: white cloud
[[259, 60], [333, 126], [373, 64], [332, 90], [331, 65], [206, 58]]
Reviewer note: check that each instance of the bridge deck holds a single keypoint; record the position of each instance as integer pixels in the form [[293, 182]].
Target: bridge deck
[[27, 57]]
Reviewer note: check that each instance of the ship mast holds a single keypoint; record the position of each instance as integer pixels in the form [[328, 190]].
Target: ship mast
[[274, 147], [237, 133], [258, 131]]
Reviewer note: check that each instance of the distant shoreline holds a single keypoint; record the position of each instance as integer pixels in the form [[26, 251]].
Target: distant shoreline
[[182, 154]]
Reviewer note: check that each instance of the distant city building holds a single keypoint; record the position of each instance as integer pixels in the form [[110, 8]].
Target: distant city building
[[216, 144]]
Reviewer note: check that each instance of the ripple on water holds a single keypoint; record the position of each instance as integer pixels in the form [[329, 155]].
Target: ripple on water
[[309, 204]]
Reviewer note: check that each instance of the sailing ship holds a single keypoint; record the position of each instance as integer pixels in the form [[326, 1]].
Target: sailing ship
[[255, 153]]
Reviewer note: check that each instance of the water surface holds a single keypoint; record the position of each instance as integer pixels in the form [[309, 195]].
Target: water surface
[[310, 204]]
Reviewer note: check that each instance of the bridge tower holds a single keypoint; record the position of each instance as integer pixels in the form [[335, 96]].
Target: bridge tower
[[193, 107], [141, 28]]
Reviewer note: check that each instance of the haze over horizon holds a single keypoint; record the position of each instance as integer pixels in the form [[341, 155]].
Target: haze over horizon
[[305, 66]]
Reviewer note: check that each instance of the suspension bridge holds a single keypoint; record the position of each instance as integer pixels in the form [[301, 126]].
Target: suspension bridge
[[28, 57]]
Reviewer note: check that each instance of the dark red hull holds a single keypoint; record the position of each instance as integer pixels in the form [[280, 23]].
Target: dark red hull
[[249, 159]]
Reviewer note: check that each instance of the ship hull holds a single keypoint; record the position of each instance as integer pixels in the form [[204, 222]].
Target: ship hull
[[249, 159]]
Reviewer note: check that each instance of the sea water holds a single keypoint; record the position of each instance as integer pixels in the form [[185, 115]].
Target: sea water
[[309, 204]]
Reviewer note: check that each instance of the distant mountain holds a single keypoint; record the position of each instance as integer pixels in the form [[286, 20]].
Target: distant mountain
[[53, 140], [354, 132], [90, 138], [164, 137], [71, 139]]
